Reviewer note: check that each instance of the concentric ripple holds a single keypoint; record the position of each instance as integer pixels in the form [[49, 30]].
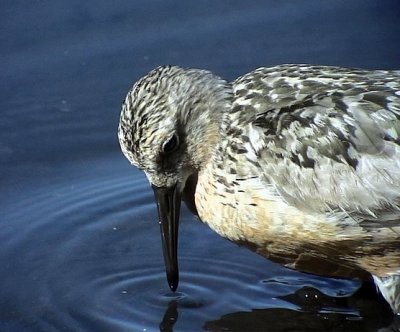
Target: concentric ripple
[[86, 256]]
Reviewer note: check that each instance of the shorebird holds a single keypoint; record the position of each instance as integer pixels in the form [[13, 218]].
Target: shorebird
[[299, 163]]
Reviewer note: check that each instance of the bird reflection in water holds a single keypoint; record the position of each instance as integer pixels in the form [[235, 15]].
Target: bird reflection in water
[[170, 317], [312, 311]]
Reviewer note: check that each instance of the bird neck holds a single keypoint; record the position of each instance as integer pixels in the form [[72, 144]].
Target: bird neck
[[205, 132]]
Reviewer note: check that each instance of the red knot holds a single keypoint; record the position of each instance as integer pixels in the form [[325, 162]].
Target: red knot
[[299, 163]]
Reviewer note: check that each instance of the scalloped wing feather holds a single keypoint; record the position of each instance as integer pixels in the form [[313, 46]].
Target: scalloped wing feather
[[327, 138]]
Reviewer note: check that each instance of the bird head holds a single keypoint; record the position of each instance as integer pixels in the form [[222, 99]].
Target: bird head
[[169, 128]]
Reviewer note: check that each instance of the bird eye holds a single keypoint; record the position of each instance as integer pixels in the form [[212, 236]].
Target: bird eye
[[170, 144]]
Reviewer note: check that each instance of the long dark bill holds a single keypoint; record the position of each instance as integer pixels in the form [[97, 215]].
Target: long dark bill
[[169, 203]]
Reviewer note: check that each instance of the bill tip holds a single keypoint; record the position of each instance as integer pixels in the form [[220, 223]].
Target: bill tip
[[173, 286]]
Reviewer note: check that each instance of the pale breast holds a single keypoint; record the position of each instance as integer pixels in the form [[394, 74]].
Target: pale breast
[[250, 214]]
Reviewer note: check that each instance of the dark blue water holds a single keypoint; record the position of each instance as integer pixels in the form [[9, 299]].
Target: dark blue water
[[79, 239]]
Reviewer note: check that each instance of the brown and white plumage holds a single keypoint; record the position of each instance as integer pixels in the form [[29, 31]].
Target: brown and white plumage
[[300, 163]]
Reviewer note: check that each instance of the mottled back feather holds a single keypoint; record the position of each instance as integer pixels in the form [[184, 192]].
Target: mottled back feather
[[326, 138]]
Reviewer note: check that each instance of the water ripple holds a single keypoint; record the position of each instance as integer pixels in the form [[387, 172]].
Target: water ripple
[[86, 256]]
